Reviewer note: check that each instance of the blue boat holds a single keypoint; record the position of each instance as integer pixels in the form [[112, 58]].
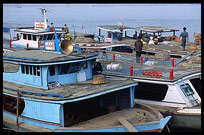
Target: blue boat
[[55, 90]]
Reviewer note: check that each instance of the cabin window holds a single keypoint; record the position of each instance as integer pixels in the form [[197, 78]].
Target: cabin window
[[150, 91], [85, 65], [75, 67], [29, 37], [41, 38], [24, 36], [34, 70], [197, 85], [63, 68], [10, 67], [23, 69], [30, 70], [27, 69], [52, 70], [50, 36], [58, 35], [187, 90], [34, 38], [44, 37], [69, 68], [38, 71]]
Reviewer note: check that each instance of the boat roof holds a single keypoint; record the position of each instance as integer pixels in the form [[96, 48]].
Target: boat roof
[[70, 92], [42, 57], [181, 70], [155, 29], [100, 45], [33, 31], [115, 28]]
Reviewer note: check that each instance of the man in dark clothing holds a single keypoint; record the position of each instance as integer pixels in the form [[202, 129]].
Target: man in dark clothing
[[184, 36], [138, 49], [66, 29], [97, 68]]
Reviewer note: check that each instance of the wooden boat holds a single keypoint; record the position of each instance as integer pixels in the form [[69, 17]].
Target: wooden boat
[[134, 119], [109, 41], [173, 89], [52, 90]]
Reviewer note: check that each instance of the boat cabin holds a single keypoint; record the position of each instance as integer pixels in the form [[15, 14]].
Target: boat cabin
[[153, 30], [35, 38], [107, 47], [59, 85], [116, 32], [46, 69]]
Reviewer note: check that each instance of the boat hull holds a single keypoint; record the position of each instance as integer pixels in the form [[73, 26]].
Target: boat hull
[[181, 120], [151, 127]]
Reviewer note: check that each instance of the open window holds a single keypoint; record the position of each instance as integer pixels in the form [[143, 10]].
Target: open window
[[150, 91], [10, 104], [196, 82], [87, 109]]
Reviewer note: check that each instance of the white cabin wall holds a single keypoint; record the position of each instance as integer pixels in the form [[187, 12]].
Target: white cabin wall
[[23, 43], [173, 95]]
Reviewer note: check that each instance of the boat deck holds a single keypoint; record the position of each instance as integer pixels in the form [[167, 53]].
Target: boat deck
[[135, 116], [41, 56], [68, 91], [153, 67]]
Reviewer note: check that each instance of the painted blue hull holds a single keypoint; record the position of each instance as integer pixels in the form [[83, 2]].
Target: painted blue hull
[[149, 127], [157, 127]]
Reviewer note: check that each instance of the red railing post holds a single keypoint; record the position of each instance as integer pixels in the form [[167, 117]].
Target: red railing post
[[171, 74], [140, 59], [9, 43], [113, 57], [131, 70], [172, 62], [27, 45]]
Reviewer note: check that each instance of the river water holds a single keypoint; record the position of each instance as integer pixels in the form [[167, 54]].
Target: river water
[[86, 17], [89, 16]]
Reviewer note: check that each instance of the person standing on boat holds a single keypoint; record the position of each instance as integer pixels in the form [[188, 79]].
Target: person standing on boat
[[184, 36], [66, 29], [138, 49]]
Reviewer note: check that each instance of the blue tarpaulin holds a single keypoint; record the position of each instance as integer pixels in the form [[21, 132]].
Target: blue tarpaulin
[[6, 29]]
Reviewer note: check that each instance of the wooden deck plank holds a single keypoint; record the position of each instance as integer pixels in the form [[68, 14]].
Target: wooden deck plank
[[127, 125]]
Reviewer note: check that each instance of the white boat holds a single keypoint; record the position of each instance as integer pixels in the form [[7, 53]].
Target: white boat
[[35, 37], [179, 96]]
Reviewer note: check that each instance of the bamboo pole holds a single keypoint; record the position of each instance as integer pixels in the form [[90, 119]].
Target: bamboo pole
[[17, 110]]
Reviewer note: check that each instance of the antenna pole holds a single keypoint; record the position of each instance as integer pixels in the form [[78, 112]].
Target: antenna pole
[[45, 18]]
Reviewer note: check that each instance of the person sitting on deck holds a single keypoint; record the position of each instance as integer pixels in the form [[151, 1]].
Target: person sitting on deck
[[51, 28], [97, 67], [104, 56]]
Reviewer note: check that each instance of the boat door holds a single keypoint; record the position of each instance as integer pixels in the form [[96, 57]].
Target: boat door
[[189, 93], [37, 74]]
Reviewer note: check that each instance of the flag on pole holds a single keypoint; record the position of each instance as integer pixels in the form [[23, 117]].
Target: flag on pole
[[6, 29]]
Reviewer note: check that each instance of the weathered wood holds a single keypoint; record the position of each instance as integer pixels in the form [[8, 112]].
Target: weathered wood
[[17, 109], [184, 58], [73, 90], [26, 126], [127, 125]]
